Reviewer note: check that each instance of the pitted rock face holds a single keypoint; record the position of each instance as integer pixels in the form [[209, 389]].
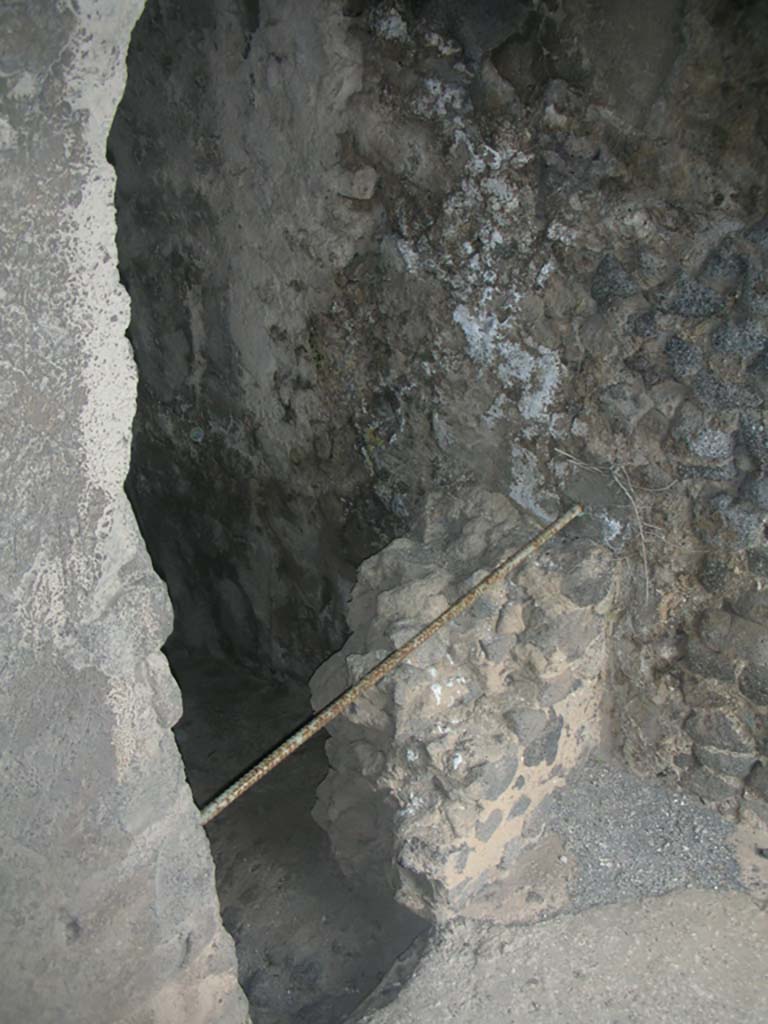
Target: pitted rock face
[[422, 247], [435, 775]]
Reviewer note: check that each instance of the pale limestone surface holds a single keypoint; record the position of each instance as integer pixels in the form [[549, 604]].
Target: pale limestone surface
[[108, 911]]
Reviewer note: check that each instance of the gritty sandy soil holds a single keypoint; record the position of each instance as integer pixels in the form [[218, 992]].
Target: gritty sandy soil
[[687, 957]]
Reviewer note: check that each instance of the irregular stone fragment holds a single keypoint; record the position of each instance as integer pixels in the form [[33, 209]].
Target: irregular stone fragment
[[726, 730], [753, 683], [447, 733], [725, 762], [688, 298]]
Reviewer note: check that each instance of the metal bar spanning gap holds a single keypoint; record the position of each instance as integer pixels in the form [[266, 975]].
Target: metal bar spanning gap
[[370, 679]]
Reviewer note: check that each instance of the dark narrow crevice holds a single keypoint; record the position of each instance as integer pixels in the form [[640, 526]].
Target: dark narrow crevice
[[247, 485]]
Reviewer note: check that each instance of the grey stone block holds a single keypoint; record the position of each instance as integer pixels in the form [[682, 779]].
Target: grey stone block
[[757, 561], [485, 829], [544, 748], [714, 574], [707, 663], [745, 339], [724, 268], [488, 781], [685, 359], [755, 490], [642, 325]]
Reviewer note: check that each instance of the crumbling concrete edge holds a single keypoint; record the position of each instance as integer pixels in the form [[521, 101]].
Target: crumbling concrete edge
[[107, 883]]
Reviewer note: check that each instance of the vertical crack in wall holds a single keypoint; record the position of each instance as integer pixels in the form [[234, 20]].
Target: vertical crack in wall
[[247, 479]]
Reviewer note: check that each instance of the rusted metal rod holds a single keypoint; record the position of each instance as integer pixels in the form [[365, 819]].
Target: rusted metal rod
[[370, 679]]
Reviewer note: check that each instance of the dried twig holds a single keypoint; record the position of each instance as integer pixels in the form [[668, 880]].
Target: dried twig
[[617, 472]]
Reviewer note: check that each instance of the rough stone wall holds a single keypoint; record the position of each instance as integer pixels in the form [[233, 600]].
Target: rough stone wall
[[571, 280], [436, 774], [108, 909], [235, 215], [383, 250]]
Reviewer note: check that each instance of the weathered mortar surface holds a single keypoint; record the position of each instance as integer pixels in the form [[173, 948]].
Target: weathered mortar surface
[[431, 246], [108, 910], [441, 769]]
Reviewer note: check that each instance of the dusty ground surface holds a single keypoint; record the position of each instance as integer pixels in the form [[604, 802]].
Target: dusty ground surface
[[667, 922], [689, 956], [310, 947]]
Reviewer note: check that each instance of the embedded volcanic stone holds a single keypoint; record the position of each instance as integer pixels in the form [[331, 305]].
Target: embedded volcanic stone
[[704, 662], [688, 298], [544, 747], [721, 728], [684, 359], [713, 574], [611, 281], [724, 268], [643, 325], [715, 627], [754, 684], [756, 490], [482, 722]]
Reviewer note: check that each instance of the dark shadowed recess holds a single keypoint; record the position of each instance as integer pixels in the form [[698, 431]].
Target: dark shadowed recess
[[258, 558]]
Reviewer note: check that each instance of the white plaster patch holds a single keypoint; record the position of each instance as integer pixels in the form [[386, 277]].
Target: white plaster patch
[[537, 368], [440, 100], [526, 481], [545, 273], [444, 48], [389, 24], [481, 332], [553, 118], [409, 255], [612, 526], [26, 86], [501, 191], [557, 232]]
